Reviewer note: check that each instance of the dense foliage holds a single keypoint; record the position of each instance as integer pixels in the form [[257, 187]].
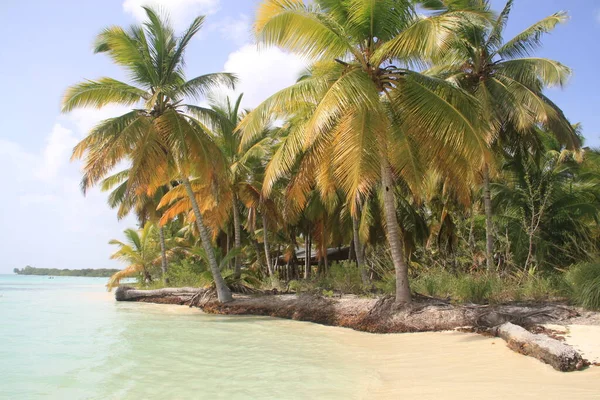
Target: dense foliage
[[419, 145], [92, 273]]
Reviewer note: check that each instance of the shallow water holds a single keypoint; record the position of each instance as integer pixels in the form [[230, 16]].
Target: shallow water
[[66, 338]]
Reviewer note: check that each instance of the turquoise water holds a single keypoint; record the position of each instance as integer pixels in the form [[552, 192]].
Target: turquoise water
[[66, 338]]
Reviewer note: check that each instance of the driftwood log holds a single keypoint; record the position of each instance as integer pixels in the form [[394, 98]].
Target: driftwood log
[[551, 351], [162, 296]]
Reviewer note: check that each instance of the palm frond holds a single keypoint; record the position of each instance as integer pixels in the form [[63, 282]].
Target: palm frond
[[529, 40], [100, 93]]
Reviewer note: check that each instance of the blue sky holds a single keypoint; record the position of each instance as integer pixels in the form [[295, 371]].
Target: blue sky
[[46, 221]]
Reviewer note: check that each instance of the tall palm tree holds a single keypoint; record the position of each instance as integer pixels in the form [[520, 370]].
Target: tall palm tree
[[367, 99], [508, 83], [242, 163], [223, 118], [159, 137], [140, 253]]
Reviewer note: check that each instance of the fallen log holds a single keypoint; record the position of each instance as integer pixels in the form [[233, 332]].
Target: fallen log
[[559, 355], [162, 296]]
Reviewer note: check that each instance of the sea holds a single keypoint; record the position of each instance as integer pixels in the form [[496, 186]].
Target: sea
[[67, 338]]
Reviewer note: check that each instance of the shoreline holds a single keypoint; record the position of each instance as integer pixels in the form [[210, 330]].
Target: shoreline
[[512, 322]]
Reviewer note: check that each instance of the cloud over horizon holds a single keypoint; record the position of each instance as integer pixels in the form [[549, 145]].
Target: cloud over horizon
[[47, 216]]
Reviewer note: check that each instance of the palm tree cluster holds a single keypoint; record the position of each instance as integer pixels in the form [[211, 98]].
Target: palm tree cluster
[[417, 134]]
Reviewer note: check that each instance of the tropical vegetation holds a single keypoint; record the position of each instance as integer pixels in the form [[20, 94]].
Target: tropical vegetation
[[418, 153]]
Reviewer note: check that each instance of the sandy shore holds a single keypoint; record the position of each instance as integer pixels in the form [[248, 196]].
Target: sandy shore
[[382, 315], [451, 365], [584, 338]]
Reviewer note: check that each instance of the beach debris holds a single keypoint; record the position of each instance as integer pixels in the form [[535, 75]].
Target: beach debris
[[559, 355]]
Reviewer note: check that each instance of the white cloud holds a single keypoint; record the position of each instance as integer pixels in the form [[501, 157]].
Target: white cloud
[[237, 30], [181, 12], [58, 149], [45, 210], [262, 72]]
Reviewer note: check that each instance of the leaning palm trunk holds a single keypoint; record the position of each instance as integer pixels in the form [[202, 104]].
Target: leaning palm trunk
[[163, 253], [266, 242], [393, 235], [223, 292], [489, 227], [358, 250], [307, 256], [237, 241]]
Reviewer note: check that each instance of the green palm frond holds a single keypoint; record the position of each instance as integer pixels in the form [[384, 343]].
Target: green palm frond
[[100, 93], [530, 70], [202, 85], [301, 28], [498, 26], [529, 40]]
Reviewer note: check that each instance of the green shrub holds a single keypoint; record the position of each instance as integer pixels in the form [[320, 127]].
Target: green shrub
[[539, 288], [345, 277], [185, 273], [585, 285], [475, 289], [387, 283], [434, 283]]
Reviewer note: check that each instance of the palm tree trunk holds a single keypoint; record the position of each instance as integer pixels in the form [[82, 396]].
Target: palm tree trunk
[[393, 234], [163, 254], [471, 240], [266, 242], [489, 227], [307, 256], [257, 251], [237, 240], [227, 247], [223, 292], [360, 261]]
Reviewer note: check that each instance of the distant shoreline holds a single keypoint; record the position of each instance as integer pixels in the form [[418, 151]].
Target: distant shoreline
[[86, 273]]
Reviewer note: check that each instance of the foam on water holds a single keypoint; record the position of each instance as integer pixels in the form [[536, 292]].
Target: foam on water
[[66, 338]]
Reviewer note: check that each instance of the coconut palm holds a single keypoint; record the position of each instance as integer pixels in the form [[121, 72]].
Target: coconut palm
[[144, 206], [159, 137], [241, 162], [368, 101], [548, 203], [223, 117], [140, 252], [508, 83]]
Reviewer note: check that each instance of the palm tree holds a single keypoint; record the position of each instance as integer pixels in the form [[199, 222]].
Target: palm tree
[[160, 139], [140, 253], [144, 205], [242, 164], [548, 203], [223, 117], [508, 83], [368, 102]]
